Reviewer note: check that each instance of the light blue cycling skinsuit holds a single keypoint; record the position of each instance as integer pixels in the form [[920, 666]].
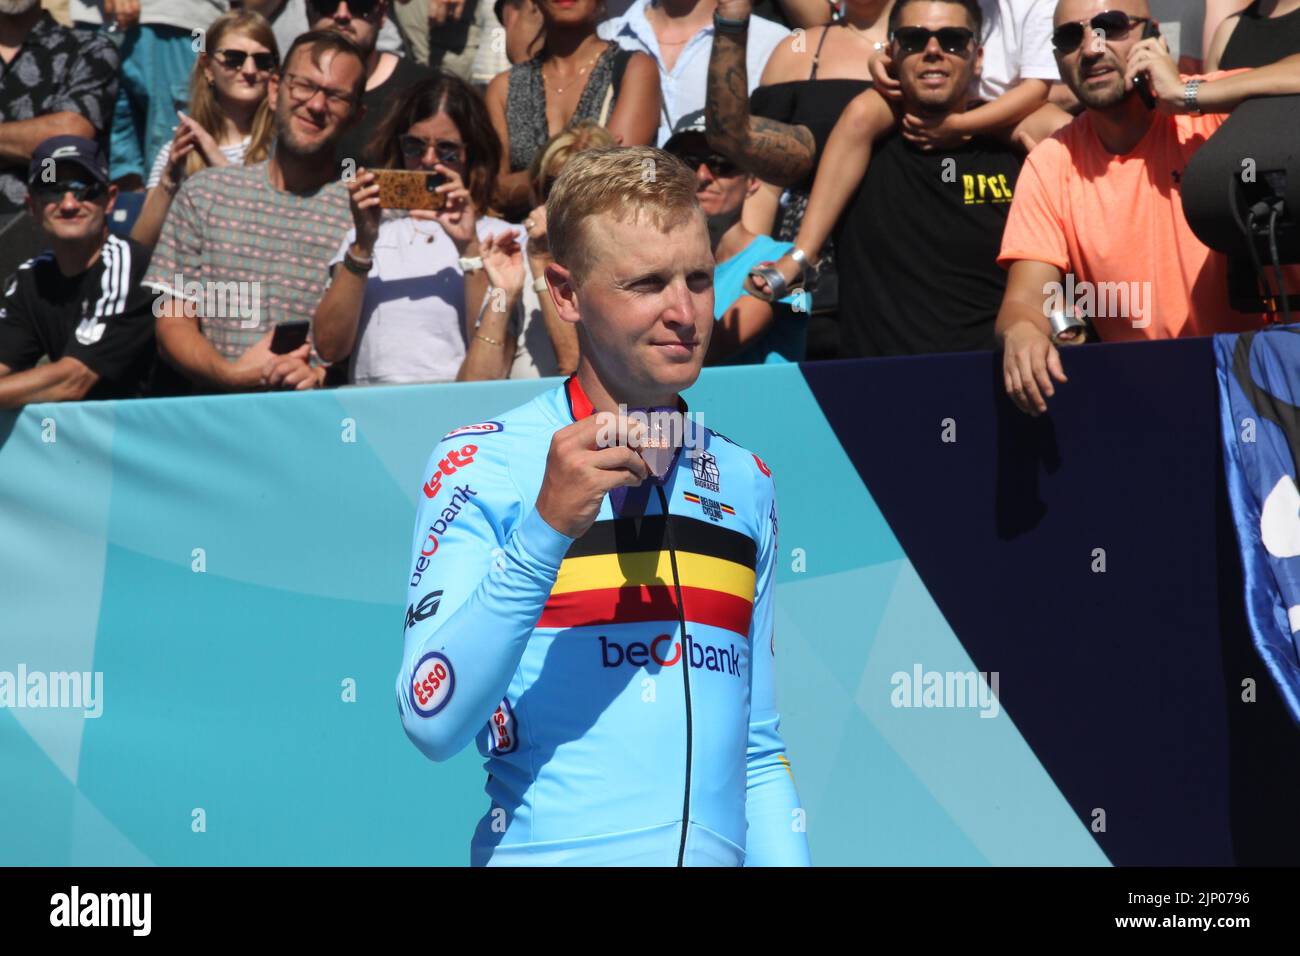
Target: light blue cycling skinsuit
[[564, 658]]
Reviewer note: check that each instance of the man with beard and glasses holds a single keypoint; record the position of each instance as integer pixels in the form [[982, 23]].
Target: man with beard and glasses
[[1100, 202], [246, 248], [387, 75], [53, 81]]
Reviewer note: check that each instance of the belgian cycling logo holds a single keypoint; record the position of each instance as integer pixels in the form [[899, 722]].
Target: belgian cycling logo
[[482, 428], [705, 467], [666, 652], [454, 461], [714, 510], [433, 684]]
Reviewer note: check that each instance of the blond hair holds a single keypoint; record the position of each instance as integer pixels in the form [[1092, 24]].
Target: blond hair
[[563, 146], [203, 106], [624, 181]]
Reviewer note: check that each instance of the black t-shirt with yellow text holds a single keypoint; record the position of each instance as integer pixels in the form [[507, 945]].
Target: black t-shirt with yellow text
[[917, 249]]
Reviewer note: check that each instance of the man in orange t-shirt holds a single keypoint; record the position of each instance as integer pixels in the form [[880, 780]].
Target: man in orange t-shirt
[[1097, 225]]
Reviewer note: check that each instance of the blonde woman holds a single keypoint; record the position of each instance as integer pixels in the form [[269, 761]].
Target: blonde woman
[[545, 169], [229, 120]]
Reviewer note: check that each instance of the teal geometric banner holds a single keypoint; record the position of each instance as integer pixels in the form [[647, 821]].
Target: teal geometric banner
[[228, 575]]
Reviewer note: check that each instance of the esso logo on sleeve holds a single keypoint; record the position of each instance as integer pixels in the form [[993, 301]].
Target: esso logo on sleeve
[[502, 726], [432, 684], [482, 428]]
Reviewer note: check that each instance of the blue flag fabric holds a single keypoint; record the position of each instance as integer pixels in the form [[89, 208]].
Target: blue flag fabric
[[1259, 392]]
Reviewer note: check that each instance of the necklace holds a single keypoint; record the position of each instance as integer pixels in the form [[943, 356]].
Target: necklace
[[875, 44], [559, 90]]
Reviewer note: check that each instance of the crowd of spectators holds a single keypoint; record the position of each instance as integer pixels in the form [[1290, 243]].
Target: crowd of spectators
[[190, 198]]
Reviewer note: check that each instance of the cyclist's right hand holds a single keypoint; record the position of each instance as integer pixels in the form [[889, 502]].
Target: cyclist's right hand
[[579, 475]]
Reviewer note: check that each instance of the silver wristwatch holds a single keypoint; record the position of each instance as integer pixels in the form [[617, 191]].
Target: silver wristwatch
[[1191, 92]]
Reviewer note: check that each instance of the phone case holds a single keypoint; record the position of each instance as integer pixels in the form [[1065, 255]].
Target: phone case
[[401, 189]]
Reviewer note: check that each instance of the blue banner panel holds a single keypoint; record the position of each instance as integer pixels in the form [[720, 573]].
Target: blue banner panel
[[1088, 559], [203, 606], [1259, 383]]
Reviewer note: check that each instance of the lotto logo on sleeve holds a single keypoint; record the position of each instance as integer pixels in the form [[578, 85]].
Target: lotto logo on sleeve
[[432, 684], [482, 428], [454, 461]]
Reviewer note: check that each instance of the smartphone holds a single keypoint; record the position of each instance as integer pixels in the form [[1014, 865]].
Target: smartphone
[[289, 336], [1149, 30], [403, 189]]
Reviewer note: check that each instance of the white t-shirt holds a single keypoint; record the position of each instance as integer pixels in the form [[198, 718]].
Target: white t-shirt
[[234, 155], [1017, 45], [411, 327]]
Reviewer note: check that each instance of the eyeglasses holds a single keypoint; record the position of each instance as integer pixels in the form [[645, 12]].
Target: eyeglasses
[[358, 8], [719, 166], [46, 193], [448, 151], [303, 91], [951, 39], [234, 60], [1113, 24]]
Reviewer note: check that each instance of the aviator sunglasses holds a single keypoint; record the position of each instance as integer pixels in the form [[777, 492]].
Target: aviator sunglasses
[[1112, 24]]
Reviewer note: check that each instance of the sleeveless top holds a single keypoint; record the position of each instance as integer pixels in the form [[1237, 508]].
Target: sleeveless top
[[526, 102], [817, 105], [1260, 40]]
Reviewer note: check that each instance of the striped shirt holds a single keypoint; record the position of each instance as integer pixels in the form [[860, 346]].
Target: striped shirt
[[245, 256]]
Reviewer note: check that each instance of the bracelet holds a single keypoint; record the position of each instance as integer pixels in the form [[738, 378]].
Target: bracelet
[[480, 335], [1191, 96], [1067, 329], [539, 284], [356, 265], [470, 263], [722, 24]]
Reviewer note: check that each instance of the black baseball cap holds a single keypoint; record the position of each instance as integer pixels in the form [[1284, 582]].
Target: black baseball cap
[[69, 149], [690, 125]]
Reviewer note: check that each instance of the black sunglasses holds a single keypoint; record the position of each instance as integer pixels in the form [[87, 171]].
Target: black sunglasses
[[46, 193], [234, 60], [719, 166], [447, 150], [358, 8], [916, 39], [1113, 24]]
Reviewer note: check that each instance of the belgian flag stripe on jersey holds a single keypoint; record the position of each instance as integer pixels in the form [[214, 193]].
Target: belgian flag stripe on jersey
[[620, 571], [641, 603], [651, 568], [629, 535]]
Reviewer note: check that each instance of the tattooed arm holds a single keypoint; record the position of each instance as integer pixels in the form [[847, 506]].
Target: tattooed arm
[[777, 152]]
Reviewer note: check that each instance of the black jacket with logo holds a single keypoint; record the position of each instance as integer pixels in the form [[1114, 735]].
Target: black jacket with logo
[[102, 317]]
